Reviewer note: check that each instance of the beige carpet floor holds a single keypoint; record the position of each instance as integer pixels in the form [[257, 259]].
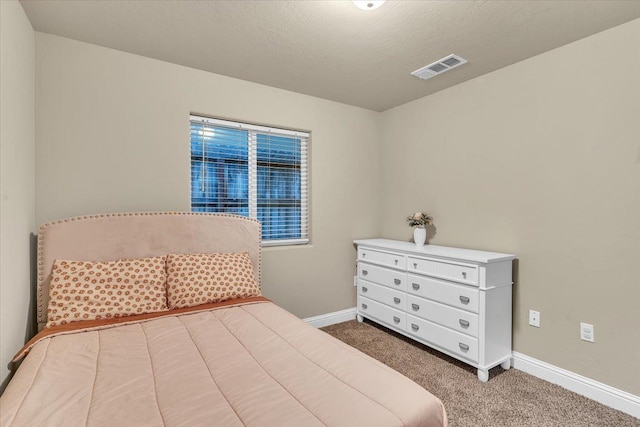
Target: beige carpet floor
[[509, 398]]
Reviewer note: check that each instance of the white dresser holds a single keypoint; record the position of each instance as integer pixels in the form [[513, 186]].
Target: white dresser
[[457, 301]]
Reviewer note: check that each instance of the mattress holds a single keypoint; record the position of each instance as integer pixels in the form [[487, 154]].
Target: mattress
[[239, 363]]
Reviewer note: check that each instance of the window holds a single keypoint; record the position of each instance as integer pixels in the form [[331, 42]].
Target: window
[[255, 171]]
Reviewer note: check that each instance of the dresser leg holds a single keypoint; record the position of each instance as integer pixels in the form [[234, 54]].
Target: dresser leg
[[506, 365], [483, 375], [359, 318]]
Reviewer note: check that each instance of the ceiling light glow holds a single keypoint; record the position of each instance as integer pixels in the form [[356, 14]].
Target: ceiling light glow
[[368, 4]]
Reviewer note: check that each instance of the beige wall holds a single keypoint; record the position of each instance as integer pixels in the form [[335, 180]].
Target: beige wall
[[17, 176], [540, 159], [113, 135]]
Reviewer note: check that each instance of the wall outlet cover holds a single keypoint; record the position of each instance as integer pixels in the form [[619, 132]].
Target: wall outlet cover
[[534, 318], [586, 332]]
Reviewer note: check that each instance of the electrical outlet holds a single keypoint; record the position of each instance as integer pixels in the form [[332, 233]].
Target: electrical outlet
[[586, 332], [534, 318], [355, 280]]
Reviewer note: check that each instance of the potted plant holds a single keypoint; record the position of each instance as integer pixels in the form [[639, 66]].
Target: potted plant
[[418, 221]]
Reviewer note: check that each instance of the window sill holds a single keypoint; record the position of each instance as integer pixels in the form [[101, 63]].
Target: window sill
[[285, 243]]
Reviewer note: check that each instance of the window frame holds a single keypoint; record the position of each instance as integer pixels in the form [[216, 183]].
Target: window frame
[[252, 173]]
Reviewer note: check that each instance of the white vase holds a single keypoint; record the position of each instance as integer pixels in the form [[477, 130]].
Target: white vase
[[419, 236]]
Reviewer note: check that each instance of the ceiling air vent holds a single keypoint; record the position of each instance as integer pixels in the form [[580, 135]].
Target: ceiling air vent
[[439, 67]]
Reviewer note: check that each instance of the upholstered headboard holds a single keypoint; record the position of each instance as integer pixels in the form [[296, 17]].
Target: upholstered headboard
[[135, 235]]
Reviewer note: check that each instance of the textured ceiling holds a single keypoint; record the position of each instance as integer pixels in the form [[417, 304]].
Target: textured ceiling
[[331, 49]]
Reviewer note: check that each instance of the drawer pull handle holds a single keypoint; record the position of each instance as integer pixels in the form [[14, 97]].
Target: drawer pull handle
[[415, 265], [396, 261], [464, 274], [396, 300], [364, 306], [364, 254], [415, 327], [364, 290], [415, 307], [396, 319], [415, 286], [464, 323], [464, 300], [365, 272], [396, 281], [463, 347]]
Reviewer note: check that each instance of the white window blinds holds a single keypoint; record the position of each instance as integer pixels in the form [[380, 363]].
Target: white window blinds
[[250, 170]]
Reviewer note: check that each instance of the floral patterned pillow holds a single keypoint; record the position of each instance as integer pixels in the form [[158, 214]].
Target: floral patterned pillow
[[86, 290], [194, 279]]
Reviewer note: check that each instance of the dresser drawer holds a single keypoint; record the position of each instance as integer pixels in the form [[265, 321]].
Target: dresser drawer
[[463, 273], [459, 296], [389, 259], [455, 342], [383, 276], [458, 320], [381, 312], [383, 294]]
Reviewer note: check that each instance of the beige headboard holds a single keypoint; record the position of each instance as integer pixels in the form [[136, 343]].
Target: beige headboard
[[135, 235]]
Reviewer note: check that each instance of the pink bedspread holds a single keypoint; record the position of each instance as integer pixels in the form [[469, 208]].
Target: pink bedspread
[[249, 363]]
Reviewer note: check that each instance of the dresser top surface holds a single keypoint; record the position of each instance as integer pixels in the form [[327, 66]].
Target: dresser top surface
[[436, 251]]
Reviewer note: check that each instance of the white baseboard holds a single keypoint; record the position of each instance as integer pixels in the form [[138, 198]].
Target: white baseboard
[[607, 395], [332, 318]]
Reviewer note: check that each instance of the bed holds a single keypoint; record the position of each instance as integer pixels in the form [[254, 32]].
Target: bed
[[241, 361]]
